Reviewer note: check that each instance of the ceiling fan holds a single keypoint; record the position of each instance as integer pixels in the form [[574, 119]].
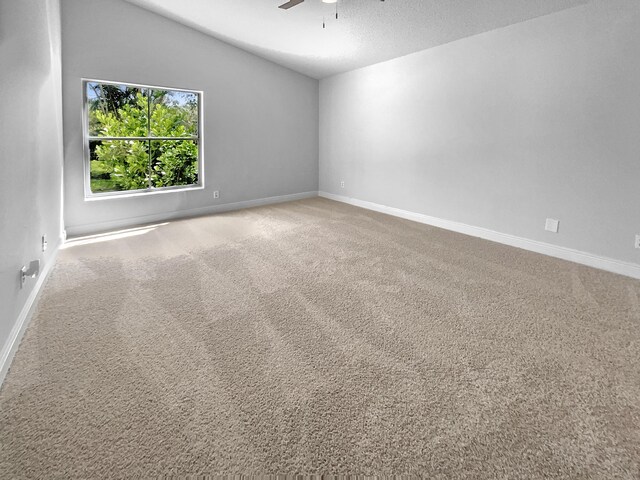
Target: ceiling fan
[[290, 3], [293, 3]]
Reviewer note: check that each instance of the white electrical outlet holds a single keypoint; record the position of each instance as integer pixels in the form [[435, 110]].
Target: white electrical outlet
[[44, 242], [552, 225], [638, 241], [216, 194], [342, 184]]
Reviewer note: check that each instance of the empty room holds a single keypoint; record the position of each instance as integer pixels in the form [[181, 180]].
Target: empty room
[[320, 238]]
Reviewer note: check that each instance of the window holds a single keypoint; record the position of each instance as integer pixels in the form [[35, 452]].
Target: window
[[140, 139]]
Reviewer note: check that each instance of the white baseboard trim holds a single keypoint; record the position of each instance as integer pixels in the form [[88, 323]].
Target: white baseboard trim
[[22, 322], [609, 264], [91, 228]]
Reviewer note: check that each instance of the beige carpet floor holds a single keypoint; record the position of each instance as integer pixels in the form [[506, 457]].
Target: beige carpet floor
[[317, 338]]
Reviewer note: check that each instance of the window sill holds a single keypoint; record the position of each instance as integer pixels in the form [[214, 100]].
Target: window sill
[[112, 196]]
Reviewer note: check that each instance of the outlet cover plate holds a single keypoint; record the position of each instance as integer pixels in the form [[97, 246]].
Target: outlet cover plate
[[552, 225]]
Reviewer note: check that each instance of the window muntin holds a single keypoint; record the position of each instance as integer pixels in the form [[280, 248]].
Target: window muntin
[[140, 139]]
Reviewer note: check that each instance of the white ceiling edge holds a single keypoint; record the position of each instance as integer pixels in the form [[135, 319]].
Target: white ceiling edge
[[367, 31]]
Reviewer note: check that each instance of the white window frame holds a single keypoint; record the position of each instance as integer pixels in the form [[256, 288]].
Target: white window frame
[[88, 194]]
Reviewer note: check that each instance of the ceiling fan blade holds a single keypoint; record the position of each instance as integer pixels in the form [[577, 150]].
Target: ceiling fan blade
[[290, 3]]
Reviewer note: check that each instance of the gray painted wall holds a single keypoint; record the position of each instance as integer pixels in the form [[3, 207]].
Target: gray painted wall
[[260, 119], [502, 130], [30, 145]]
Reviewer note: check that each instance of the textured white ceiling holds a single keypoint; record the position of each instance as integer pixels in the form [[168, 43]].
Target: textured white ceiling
[[367, 32]]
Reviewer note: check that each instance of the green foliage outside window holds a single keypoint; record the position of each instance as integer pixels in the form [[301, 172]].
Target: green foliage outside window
[[126, 145]]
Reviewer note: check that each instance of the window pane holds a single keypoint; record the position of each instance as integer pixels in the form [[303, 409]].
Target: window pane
[[174, 162], [119, 165], [174, 113], [117, 110]]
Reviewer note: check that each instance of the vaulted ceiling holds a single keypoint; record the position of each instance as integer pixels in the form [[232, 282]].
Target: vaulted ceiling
[[367, 31]]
